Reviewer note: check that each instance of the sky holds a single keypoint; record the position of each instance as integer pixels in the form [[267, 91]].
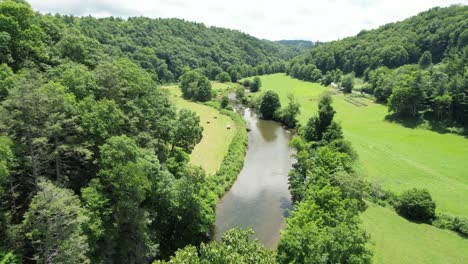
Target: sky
[[315, 20]]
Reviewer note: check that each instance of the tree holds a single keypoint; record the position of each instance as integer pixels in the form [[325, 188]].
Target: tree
[[316, 126], [269, 105], [115, 199], [6, 81], [426, 60], [416, 204], [256, 84], [79, 80], [223, 77], [235, 247], [20, 37], [188, 131], [348, 83], [203, 92], [324, 228], [288, 115], [189, 83], [53, 225]]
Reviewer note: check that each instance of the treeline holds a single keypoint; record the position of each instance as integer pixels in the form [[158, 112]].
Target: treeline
[[328, 196], [418, 65], [94, 156], [163, 47]]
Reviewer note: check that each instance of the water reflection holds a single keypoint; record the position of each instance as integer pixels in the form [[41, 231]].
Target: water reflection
[[260, 198]]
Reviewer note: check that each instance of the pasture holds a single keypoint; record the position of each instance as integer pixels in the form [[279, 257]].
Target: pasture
[[210, 152], [396, 157]]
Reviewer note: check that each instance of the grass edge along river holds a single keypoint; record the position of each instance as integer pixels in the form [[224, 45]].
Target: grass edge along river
[[397, 158]]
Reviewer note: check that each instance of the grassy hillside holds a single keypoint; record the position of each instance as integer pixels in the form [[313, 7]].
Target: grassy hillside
[[390, 154], [210, 152], [396, 240]]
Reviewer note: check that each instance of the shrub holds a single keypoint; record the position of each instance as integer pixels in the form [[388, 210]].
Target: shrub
[[416, 204], [223, 77], [246, 83], [255, 85], [224, 101]]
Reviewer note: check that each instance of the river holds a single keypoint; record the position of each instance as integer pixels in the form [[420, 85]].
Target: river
[[259, 198]]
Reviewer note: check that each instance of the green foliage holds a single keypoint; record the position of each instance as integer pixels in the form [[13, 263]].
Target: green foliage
[[235, 247], [417, 205], [246, 83], [196, 87], [9, 258], [317, 126], [324, 228], [269, 105], [224, 101], [223, 77], [21, 37], [348, 83], [187, 131], [456, 224], [203, 92], [372, 54], [255, 85], [6, 81], [288, 115], [426, 60], [53, 223]]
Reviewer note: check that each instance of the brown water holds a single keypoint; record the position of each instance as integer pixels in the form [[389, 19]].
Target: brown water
[[259, 198]]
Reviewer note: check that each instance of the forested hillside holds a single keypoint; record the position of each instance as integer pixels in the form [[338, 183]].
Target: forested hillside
[[94, 156], [418, 65], [163, 47]]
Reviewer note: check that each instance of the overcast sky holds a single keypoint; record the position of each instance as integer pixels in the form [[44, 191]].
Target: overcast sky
[[322, 20]]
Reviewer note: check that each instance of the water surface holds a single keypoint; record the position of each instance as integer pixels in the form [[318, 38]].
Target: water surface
[[259, 198]]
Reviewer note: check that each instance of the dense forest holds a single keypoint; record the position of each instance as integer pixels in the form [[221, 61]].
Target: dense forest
[[94, 163], [417, 65], [163, 47]]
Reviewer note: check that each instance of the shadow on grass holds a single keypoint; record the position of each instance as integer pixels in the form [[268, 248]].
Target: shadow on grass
[[441, 127], [406, 121]]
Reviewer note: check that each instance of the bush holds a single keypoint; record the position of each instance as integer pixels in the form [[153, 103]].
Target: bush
[[224, 101], [460, 225], [246, 83], [417, 205], [456, 224], [223, 77], [255, 85]]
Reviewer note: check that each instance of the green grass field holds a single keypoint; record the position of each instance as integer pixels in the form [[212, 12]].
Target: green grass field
[[398, 158], [210, 152], [390, 154], [396, 240]]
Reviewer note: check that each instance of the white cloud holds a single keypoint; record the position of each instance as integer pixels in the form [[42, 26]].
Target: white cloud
[[322, 20]]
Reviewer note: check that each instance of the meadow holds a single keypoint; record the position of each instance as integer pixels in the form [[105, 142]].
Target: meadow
[[397, 240], [394, 156], [210, 152], [397, 158]]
